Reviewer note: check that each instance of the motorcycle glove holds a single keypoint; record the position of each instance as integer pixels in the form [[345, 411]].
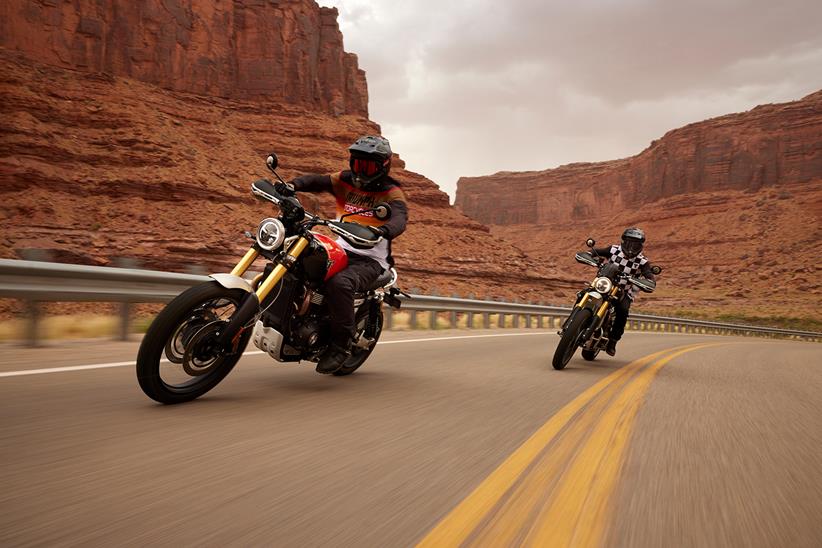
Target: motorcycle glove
[[284, 189], [379, 231]]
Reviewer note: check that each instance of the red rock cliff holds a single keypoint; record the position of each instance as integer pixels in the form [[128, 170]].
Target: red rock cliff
[[769, 146], [287, 50], [732, 207], [135, 129]]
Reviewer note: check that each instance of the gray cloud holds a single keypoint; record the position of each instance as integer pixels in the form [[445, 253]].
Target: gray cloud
[[468, 88]]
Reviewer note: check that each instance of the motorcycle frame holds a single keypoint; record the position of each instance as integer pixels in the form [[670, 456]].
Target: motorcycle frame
[[230, 336], [599, 312]]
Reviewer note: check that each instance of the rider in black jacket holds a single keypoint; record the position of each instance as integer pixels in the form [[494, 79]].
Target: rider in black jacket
[[363, 186], [628, 256]]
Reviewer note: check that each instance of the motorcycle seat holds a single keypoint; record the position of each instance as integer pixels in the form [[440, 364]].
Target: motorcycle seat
[[382, 280]]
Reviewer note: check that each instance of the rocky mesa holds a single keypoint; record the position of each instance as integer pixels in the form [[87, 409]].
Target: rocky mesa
[[285, 51], [731, 205], [134, 129]]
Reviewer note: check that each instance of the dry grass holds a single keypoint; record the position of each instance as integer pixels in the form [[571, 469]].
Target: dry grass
[[63, 327], [84, 326]]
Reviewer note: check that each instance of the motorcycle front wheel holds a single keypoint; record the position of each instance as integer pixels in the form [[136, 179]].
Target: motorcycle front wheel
[[359, 355], [570, 338], [185, 332]]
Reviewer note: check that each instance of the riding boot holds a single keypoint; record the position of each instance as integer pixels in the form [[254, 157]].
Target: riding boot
[[611, 348], [333, 358]]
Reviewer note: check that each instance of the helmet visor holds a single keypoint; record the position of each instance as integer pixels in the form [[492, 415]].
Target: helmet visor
[[365, 168], [631, 247]]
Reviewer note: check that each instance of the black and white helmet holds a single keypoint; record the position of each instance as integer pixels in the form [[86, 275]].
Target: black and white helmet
[[370, 160], [633, 239]]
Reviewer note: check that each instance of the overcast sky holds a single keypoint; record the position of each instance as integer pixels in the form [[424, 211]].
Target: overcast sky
[[474, 87]]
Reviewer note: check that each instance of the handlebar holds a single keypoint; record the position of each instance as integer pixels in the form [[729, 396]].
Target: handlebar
[[265, 189], [643, 284]]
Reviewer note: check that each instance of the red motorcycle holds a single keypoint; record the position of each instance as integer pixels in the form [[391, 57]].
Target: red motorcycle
[[203, 332]]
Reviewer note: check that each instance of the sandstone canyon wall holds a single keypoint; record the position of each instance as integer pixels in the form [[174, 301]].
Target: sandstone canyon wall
[[287, 50], [770, 146], [134, 129], [732, 207]]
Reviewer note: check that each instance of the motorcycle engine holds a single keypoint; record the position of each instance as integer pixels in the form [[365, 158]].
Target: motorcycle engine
[[307, 332]]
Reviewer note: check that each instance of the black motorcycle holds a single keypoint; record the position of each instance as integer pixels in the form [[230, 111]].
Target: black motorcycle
[[590, 321]]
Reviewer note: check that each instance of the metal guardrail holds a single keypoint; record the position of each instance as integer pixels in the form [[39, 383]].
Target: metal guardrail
[[557, 314], [35, 282]]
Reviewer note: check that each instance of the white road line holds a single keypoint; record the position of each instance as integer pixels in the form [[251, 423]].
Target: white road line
[[250, 353]]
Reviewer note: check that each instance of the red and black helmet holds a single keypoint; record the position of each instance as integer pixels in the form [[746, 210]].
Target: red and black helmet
[[633, 239], [370, 160]]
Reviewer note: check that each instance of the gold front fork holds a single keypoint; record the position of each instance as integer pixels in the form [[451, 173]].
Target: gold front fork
[[245, 262], [279, 271], [604, 308]]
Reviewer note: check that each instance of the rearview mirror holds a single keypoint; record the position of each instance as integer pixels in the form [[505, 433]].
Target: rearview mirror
[[590, 242], [382, 211], [272, 162]]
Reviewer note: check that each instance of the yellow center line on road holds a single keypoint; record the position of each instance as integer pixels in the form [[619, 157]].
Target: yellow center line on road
[[577, 514], [553, 490], [503, 526]]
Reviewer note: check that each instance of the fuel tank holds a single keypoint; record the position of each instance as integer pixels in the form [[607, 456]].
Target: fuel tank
[[324, 259]]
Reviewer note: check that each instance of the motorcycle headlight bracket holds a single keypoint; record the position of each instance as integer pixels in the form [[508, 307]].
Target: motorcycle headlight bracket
[[603, 284], [270, 234]]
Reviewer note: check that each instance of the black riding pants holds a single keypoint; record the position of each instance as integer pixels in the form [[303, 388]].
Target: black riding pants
[[621, 318], [357, 277]]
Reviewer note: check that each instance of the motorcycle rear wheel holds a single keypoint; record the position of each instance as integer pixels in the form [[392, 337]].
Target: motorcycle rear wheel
[[155, 377], [359, 355], [570, 338], [590, 355]]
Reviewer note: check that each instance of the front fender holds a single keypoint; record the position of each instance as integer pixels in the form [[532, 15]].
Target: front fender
[[591, 300], [230, 281]]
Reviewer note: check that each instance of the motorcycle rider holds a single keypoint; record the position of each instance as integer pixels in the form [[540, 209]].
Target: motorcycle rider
[[630, 260], [362, 186]]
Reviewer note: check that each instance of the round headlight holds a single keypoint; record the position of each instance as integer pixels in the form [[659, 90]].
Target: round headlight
[[603, 285], [270, 234]]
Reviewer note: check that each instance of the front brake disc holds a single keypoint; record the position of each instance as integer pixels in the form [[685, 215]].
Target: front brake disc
[[202, 351]]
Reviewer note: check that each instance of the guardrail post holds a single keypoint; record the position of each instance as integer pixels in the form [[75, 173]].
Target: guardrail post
[[453, 314], [515, 321], [125, 317], [125, 306], [469, 316], [33, 314], [486, 320], [388, 317], [412, 314], [34, 309], [432, 314]]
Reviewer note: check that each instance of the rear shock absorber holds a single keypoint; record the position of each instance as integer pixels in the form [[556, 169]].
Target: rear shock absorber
[[373, 317]]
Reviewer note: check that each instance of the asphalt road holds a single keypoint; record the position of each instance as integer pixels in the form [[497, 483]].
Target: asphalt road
[[681, 440]]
